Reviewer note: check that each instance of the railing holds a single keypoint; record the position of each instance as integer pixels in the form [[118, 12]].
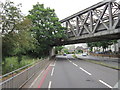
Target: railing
[[18, 80]]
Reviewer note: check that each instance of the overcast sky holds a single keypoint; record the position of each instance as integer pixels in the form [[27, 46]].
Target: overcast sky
[[63, 8]]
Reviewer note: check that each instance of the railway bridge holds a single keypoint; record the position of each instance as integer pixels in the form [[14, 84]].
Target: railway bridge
[[96, 23]]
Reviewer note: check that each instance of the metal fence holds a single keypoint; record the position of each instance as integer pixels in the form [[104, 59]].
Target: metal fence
[[18, 80]]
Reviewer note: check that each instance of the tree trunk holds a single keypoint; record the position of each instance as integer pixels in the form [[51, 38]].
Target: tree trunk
[[115, 47], [19, 58]]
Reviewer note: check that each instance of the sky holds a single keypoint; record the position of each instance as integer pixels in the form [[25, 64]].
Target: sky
[[63, 8]]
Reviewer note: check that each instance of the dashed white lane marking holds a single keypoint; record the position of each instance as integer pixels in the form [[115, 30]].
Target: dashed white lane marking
[[85, 71], [52, 71], [49, 86], [81, 68], [105, 84], [52, 64], [75, 64], [36, 79], [91, 74]]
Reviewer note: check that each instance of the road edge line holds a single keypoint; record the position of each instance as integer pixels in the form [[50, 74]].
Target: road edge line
[[49, 85], [52, 71]]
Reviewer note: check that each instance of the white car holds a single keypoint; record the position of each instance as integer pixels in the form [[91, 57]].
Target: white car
[[84, 54]]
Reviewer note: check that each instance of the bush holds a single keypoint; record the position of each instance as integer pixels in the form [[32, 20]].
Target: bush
[[13, 64], [74, 56]]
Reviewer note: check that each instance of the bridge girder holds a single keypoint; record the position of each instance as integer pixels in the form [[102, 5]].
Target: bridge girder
[[98, 22]]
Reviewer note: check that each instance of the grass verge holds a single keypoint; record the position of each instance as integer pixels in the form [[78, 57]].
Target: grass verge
[[74, 56], [103, 64], [99, 63], [12, 63]]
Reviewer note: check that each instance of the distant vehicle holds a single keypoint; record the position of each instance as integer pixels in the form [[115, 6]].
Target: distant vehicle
[[98, 52], [84, 54], [64, 54]]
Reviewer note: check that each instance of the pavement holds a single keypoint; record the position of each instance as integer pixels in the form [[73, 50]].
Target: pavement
[[68, 72]]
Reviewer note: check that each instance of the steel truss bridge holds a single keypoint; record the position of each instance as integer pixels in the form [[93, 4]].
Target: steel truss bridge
[[98, 22]]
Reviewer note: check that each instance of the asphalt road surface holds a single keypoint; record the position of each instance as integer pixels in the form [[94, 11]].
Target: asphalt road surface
[[67, 72]]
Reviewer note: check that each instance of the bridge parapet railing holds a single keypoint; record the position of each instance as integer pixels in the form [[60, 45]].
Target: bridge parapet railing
[[18, 80], [101, 16]]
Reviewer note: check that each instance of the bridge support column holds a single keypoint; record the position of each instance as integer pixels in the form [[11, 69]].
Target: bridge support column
[[119, 17], [52, 53]]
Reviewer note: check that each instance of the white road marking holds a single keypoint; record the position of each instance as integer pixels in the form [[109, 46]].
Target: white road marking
[[36, 79], [49, 86], [105, 84], [75, 64], [70, 61], [85, 71], [81, 68], [52, 64], [116, 85], [52, 71]]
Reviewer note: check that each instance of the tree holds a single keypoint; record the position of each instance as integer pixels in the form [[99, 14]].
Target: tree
[[103, 44], [16, 35], [26, 42], [80, 51], [66, 51], [11, 15], [46, 28], [58, 49]]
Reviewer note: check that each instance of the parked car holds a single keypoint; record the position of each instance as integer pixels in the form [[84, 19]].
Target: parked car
[[64, 54]]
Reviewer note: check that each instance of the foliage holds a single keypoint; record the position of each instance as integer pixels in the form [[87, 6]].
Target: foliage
[[46, 28], [74, 56], [32, 35], [66, 51], [58, 49], [80, 51], [103, 44], [16, 35], [12, 63], [11, 15]]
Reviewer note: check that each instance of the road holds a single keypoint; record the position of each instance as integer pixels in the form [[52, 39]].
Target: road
[[67, 72]]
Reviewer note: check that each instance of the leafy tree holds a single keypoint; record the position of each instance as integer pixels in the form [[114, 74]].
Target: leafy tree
[[11, 15], [103, 44], [46, 28], [58, 49], [66, 51], [80, 51], [16, 35], [26, 42]]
